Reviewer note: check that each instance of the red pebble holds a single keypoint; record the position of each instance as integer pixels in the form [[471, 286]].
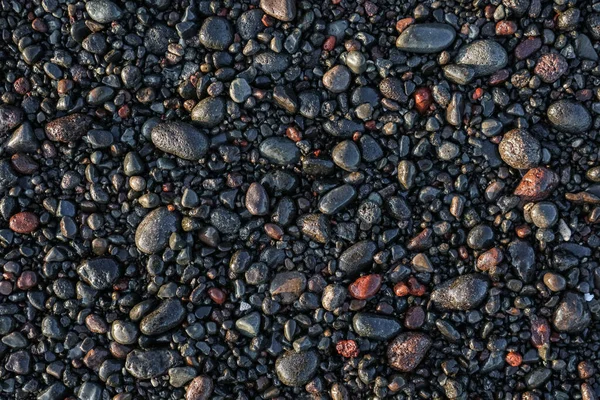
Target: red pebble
[[329, 43], [365, 287], [423, 99], [217, 295], [347, 348]]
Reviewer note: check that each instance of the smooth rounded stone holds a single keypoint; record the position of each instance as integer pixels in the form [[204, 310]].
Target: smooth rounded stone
[[24, 222], [407, 351], [52, 392], [100, 273], [209, 112], [356, 61], [357, 257], [288, 286], [520, 150], [337, 199], [569, 116], [522, 257], [103, 11], [152, 234], [285, 97], [180, 139], [257, 199], [426, 38], [527, 47], [270, 62], [550, 67], [249, 24], [216, 33], [343, 127], [95, 43], [393, 88], [459, 74], [571, 315], [555, 282], [370, 150], [537, 184], [484, 56], [297, 368], [365, 287], [52, 329], [544, 214], [333, 297], [465, 292], [158, 37], [491, 127], [283, 10], [373, 326], [10, 118], [315, 226], [280, 181], [149, 364], [448, 151], [240, 90], [337, 79], [201, 388], [346, 155], [249, 325], [168, 315], [69, 128], [124, 332], [280, 151], [480, 237]]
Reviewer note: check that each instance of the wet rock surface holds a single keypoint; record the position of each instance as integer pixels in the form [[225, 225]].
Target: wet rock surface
[[278, 199]]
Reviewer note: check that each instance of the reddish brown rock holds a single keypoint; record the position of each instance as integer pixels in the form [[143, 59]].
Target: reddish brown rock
[[404, 23], [540, 332], [217, 295], [489, 259], [24, 222], [527, 47], [96, 324], [347, 348], [27, 280], [200, 389], [423, 100], [68, 129], [408, 349], [365, 287], [550, 67], [505, 28], [414, 317], [537, 184], [514, 359]]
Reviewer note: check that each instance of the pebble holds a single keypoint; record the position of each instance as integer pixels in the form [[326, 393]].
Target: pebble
[[316, 227], [337, 199], [484, 56], [572, 315], [464, 292], [537, 184], [373, 326], [103, 11], [520, 150], [357, 257], [216, 33], [152, 234], [10, 118], [407, 351], [24, 222], [201, 388], [550, 67], [100, 273], [180, 139], [288, 286], [393, 89], [209, 112], [168, 315], [346, 155], [569, 116], [239, 90], [337, 79], [257, 199], [158, 37], [544, 214], [280, 151], [365, 287], [283, 10], [148, 364], [426, 38], [249, 325], [528, 47], [480, 237], [522, 258], [333, 297], [69, 128], [296, 368]]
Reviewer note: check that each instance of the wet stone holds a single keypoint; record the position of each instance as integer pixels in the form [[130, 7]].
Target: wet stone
[[550, 67], [283, 10], [337, 79], [572, 315], [522, 258], [10, 118], [201, 388], [528, 47], [150, 363], [100, 273], [315, 226], [426, 38], [337, 199], [152, 234], [19, 362], [158, 37], [209, 112], [180, 139], [544, 214], [216, 33], [24, 222], [346, 155], [484, 56], [249, 325], [168, 315], [225, 221], [407, 351], [288, 286], [480, 237], [464, 292], [280, 151], [537, 184], [520, 149], [569, 116], [257, 199], [357, 257], [373, 326], [296, 368], [103, 11]]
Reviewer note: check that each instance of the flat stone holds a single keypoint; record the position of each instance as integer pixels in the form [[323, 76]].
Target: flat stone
[[337, 199], [407, 351], [249, 325], [426, 38], [288, 286], [216, 33], [283, 10]]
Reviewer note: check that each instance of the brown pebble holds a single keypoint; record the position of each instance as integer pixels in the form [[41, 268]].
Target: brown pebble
[[550, 67], [489, 259], [217, 295], [540, 332], [537, 184], [404, 23], [200, 389], [408, 350], [23, 164], [505, 28], [24, 222], [274, 231], [586, 369], [27, 280], [69, 128], [96, 324], [365, 287], [95, 357], [423, 100], [414, 317], [22, 85], [527, 47]]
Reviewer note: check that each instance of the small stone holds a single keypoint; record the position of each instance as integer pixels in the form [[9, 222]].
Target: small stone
[[544, 214], [249, 325], [459, 74], [180, 139], [168, 315], [152, 234], [296, 368], [464, 292], [393, 89], [24, 222], [484, 56], [239, 90], [337, 199], [100, 273], [315, 226], [569, 116], [95, 43], [337, 79], [528, 47], [10, 118], [407, 351], [209, 112], [124, 332], [257, 199], [480, 237], [333, 297], [216, 33], [288, 286], [522, 258], [426, 38], [365, 287], [68, 129], [520, 149], [103, 11], [201, 388], [346, 155]]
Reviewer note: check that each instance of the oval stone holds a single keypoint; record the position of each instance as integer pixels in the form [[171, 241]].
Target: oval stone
[[152, 234], [426, 38], [180, 139], [484, 56], [296, 369], [569, 116]]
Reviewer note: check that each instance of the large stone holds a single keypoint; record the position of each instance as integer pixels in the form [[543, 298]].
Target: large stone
[[569, 116], [484, 56], [150, 363], [152, 234], [426, 38], [463, 293], [296, 369], [180, 139], [100, 273]]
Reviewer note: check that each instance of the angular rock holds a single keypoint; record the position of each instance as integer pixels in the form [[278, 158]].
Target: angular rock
[[522, 258], [69, 128], [10, 118], [537, 184], [249, 325], [426, 38], [100, 273], [315, 226], [180, 139]]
